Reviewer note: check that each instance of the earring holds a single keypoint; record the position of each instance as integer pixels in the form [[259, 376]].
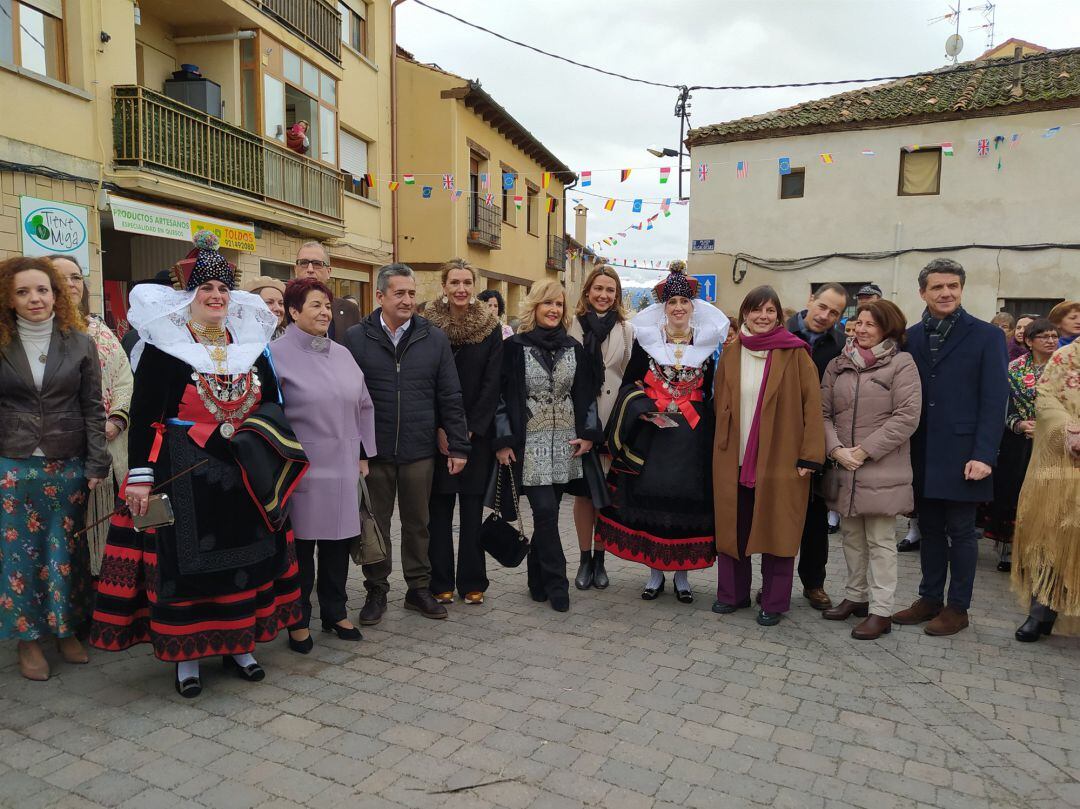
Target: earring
[[445, 299], [472, 301]]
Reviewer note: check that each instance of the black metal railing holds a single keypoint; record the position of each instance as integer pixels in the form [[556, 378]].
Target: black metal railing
[[556, 253], [317, 21], [485, 225]]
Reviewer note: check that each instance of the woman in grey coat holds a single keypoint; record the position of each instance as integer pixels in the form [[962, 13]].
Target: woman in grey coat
[[871, 399]]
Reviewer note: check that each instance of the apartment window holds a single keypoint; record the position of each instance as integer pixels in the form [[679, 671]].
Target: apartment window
[[354, 25], [509, 209], [553, 228], [792, 185], [354, 164], [294, 91], [532, 210], [920, 173], [1029, 306], [276, 269], [32, 35]]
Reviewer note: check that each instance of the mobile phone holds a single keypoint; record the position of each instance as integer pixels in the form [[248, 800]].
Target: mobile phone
[[159, 512]]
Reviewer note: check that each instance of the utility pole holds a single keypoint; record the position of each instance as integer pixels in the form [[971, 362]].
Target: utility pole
[[682, 112]]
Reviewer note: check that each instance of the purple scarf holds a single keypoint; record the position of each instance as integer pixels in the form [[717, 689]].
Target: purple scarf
[[777, 338]]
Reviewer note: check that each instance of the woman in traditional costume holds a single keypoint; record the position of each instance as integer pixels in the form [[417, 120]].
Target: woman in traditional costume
[[660, 436], [1046, 545], [221, 577]]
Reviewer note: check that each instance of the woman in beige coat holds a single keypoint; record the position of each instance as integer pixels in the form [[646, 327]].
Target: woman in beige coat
[[769, 437], [601, 327], [871, 398]]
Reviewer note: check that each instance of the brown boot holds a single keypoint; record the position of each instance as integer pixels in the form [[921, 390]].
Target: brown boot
[[921, 610], [817, 597], [845, 609], [71, 650], [872, 628], [948, 622], [32, 662]]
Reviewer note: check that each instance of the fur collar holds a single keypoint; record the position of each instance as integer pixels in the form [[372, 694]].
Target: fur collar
[[475, 327]]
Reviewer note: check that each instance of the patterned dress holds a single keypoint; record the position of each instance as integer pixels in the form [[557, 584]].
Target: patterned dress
[[550, 427]]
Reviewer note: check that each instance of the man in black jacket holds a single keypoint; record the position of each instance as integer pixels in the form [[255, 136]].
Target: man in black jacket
[[313, 261], [817, 325], [410, 373]]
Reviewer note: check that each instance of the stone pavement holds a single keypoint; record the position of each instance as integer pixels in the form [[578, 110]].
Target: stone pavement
[[618, 704]]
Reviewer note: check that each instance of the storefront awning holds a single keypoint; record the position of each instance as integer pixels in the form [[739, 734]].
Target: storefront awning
[[135, 216]]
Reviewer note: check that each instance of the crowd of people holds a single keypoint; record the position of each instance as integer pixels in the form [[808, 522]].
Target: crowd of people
[[191, 486]]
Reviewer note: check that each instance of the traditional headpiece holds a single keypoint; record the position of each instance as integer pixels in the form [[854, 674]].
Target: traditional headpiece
[[677, 283], [203, 264]]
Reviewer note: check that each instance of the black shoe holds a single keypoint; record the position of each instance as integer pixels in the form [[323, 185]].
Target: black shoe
[[560, 603], [351, 633], [374, 607], [537, 596], [720, 608], [584, 578], [769, 618], [189, 688], [684, 596], [834, 529], [650, 594], [600, 578], [1032, 629], [422, 601], [252, 672], [302, 646], [906, 544], [1004, 567]]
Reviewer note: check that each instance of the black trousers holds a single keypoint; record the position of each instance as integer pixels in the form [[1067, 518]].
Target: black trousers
[[546, 561], [471, 568], [814, 551], [333, 572]]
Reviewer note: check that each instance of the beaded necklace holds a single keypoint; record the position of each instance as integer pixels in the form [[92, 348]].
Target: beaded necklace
[[227, 397]]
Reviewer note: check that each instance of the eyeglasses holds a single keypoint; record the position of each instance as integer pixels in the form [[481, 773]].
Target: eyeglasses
[[74, 278], [1047, 335], [314, 262]]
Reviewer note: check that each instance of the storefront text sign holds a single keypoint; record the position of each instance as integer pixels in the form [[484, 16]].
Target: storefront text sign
[[55, 227], [134, 216]]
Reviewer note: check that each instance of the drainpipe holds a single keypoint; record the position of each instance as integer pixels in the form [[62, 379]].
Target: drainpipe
[[567, 264], [214, 38], [896, 263], [393, 124]]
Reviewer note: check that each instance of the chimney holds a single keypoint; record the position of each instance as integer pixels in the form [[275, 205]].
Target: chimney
[[581, 215], [1017, 89]]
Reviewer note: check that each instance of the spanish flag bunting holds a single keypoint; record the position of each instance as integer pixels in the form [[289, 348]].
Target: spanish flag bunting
[[545, 179], [826, 158], [625, 173], [607, 241], [551, 204], [609, 205], [392, 185], [409, 179]]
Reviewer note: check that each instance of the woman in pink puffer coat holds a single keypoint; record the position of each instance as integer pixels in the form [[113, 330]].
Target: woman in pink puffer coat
[[871, 398]]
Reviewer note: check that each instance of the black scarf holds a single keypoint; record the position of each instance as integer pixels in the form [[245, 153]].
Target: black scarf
[[548, 341], [594, 331]]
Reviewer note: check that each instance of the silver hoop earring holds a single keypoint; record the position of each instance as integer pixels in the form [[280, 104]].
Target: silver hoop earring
[[445, 299]]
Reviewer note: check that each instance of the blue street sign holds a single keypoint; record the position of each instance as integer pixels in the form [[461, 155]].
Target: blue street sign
[[706, 287]]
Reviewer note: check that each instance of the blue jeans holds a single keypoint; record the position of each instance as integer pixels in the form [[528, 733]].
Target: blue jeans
[[949, 550]]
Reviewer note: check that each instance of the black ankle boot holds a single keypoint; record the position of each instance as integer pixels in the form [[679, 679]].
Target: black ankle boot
[[600, 577], [1032, 629], [584, 578]]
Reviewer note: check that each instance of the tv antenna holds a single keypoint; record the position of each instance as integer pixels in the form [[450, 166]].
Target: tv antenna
[[987, 10], [955, 43]]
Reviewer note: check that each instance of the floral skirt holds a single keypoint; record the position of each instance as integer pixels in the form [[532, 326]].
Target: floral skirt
[[44, 568]]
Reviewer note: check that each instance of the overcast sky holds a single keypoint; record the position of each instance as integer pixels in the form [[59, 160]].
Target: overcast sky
[[596, 122]]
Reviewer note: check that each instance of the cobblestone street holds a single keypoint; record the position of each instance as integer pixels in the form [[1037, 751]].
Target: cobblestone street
[[617, 704]]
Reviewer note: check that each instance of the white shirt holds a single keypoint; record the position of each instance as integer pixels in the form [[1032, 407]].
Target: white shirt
[[396, 334]]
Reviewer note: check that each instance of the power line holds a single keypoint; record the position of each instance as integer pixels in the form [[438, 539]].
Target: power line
[[971, 68]]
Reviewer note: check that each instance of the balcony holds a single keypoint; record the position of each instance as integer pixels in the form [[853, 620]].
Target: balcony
[[154, 133], [556, 253], [316, 21], [485, 226]]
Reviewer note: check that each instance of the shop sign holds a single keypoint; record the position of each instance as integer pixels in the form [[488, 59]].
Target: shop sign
[[55, 227], [134, 216]]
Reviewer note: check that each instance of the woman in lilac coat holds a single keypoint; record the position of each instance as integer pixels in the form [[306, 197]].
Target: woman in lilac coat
[[328, 406]]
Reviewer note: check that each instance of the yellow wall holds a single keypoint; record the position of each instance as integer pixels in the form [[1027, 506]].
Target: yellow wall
[[433, 138]]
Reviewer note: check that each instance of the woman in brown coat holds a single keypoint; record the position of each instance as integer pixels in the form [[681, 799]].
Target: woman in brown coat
[[769, 437], [871, 397]]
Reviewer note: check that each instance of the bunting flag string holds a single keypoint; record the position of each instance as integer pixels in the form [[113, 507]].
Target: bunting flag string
[[545, 179], [665, 172], [586, 178], [624, 175]]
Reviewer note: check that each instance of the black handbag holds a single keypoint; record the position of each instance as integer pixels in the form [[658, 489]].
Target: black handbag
[[502, 539]]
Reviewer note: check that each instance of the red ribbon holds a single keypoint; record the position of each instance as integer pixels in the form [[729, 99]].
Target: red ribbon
[[155, 448], [682, 395]]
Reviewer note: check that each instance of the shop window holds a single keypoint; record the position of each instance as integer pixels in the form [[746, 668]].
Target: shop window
[[32, 36], [354, 25], [354, 165], [920, 173], [792, 185]]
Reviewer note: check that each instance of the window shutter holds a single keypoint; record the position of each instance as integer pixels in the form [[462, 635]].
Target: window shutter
[[921, 172], [354, 157]]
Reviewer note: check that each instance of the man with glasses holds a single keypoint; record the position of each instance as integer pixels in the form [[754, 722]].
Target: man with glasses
[[313, 261]]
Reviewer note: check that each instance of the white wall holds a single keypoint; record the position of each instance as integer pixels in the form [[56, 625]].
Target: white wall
[[853, 205]]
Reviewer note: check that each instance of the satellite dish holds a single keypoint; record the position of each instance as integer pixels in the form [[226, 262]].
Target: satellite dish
[[953, 45]]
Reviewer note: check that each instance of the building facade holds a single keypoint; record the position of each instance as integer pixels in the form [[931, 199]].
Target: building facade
[[142, 122], [976, 165], [453, 136]]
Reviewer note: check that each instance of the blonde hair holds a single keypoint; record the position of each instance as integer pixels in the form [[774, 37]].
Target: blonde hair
[[456, 264], [540, 292], [619, 308]]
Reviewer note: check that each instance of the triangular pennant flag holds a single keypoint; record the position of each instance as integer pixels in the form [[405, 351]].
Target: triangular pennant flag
[[392, 185], [826, 158], [624, 175]]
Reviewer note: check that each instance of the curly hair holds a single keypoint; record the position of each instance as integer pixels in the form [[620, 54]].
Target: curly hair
[[67, 315]]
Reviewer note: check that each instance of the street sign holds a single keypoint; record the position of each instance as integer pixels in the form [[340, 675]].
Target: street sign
[[706, 287], [703, 245]]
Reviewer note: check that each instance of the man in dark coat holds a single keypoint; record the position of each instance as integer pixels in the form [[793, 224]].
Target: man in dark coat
[[409, 370], [817, 325], [313, 261], [963, 366]]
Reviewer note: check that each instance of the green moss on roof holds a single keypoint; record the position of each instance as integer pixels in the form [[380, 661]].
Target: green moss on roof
[[1046, 80]]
